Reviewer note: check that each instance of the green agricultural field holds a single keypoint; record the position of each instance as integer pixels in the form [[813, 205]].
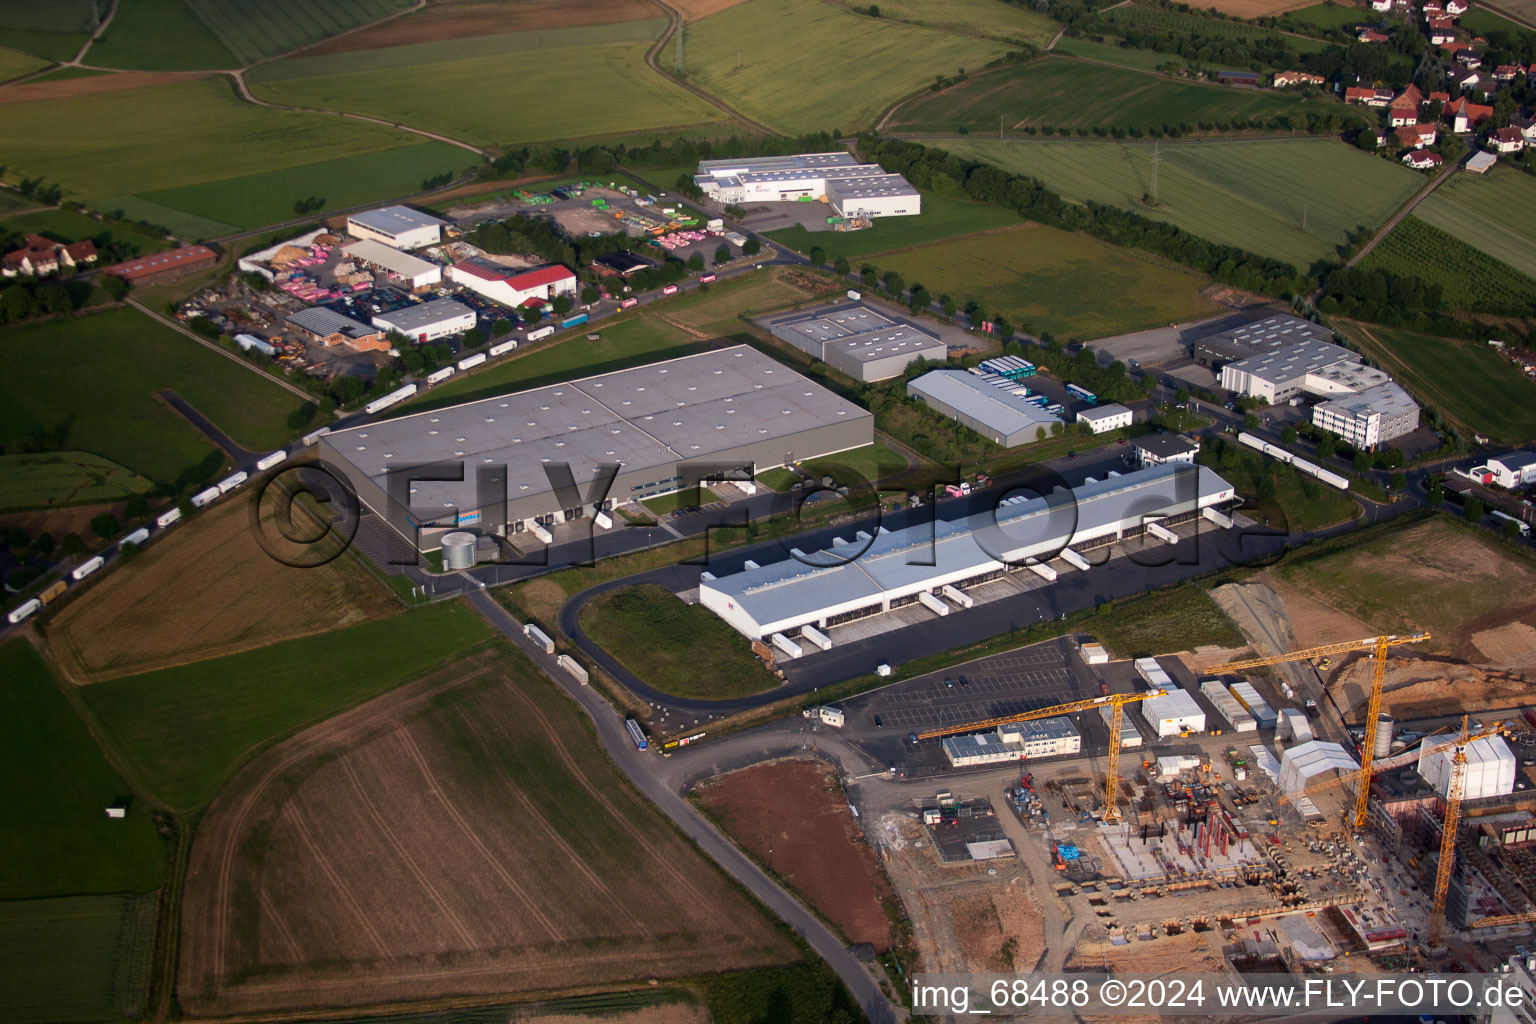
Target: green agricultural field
[[640, 339], [1252, 194], [1286, 499], [69, 226], [681, 649], [54, 30], [1325, 16], [158, 35], [942, 217], [1067, 283], [1141, 18], [268, 198], [177, 222], [90, 383], [992, 19], [628, 96], [1471, 278], [183, 134], [65, 478], [14, 64], [1180, 619], [1058, 92], [1483, 21], [1464, 381], [253, 29], [55, 836], [1494, 212], [80, 958], [186, 729], [10, 202], [799, 80], [1113, 53], [63, 74], [872, 463]]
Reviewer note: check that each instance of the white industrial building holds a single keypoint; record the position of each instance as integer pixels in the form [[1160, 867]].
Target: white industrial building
[[1306, 761], [1489, 771], [852, 189], [1016, 741], [513, 288], [869, 576], [859, 341], [412, 272], [1002, 417], [398, 226], [1510, 470], [1293, 725], [1101, 418], [1164, 449], [428, 321], [1361, 404]]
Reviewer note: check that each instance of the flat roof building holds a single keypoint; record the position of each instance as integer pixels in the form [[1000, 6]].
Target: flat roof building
[[399, 226], [413, 272], [1161, 449], [859, 341], [427, 321], [1016, 741], [1003, 417], [869, 577], [1260, 336], [620, 264], [511, 287], [1370, 418], [734, 406], [164, 266], [852, 189], [1102, 418], [1172, 714], [329, 327]]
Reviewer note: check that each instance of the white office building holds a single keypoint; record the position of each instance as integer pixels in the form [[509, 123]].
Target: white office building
[[852, 189], [398, 226], [1101, 418], [1017, 741], [428, 321]]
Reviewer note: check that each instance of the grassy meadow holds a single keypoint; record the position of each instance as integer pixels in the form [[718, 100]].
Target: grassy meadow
[[65, 478], [1292, 200], [79, 958], [942, 217], [1494, 212], [158, 35], [991, 19], [1044, 279], [54, 30], [253, 29]]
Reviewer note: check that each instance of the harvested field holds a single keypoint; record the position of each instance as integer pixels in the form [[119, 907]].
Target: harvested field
[[461, 836], [693, 10], [64, 88], [1258, 8], [206, 590], [1439, 576], [791, 816], [473, 20]]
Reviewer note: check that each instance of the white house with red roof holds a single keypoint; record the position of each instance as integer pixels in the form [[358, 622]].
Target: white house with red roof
[[512, 287], [1367, 34], [1433, 9], [1507, 140], [1455, 8], [39, 256], [1441, 30], [1417, 136], [1420, 160]]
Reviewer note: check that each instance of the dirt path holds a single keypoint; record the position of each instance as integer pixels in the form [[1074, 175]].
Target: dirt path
[[674, 23]]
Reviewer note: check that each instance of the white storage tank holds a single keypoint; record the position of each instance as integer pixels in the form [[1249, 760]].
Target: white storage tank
[[458, 550], [1384, 726]]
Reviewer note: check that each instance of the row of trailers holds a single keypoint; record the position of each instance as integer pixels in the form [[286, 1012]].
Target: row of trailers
[[1291, 459], [138, 538]]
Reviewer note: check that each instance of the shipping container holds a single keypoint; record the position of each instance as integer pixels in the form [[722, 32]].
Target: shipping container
[[542, 332], [506, 346], [706, 278], [471, 361], [86, 568], [54, 592], [204, 497], [311, 438], [269, 461], [167, 518], [232, 481], [629, 303], [137, 537], [572, 321], [636, 735], [23, 610], [855, 296]]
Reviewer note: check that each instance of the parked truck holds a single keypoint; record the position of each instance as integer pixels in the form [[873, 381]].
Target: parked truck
[[539, 637], [84, 569]]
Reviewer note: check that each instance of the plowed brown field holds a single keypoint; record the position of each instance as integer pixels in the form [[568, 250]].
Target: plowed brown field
[[791, 815], [467, 20], [461, 836], [204, 590]]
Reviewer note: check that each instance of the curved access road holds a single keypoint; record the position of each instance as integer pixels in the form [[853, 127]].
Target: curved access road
[[674, 24], [645, 771]]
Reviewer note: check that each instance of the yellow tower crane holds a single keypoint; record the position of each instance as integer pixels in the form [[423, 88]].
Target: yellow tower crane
[[1448, 836], [1494, 922], [1114, 701], [1377, 645]]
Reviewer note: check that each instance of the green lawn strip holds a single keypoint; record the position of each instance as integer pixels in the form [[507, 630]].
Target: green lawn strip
[[47, 479], [685, 650], [1180, 619], [55, 836], [942, 217], [187, 729]]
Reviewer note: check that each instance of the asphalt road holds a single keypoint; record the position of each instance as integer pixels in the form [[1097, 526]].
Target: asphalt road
[[646, 770]]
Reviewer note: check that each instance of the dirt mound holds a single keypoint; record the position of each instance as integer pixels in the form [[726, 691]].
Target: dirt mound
[[1513, 644], [469, 20], [792, 816], [1427, 687]]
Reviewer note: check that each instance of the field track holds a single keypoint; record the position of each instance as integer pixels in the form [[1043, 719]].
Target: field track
[[469, 20], [460, 836]]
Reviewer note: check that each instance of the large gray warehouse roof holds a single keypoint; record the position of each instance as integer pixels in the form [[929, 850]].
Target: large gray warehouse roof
[[1001, 411], [409, 319], [324, 322], [647, 416], [392, 220], [1294, 361]]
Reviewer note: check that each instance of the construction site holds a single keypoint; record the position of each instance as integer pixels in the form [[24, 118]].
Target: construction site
[[1291, 809]]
